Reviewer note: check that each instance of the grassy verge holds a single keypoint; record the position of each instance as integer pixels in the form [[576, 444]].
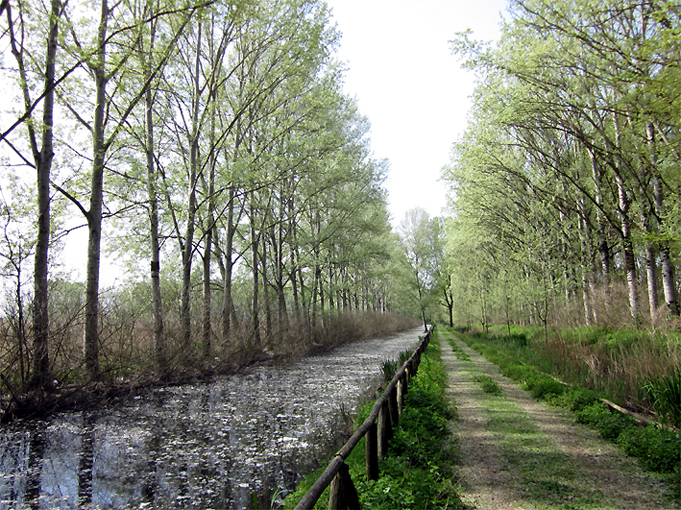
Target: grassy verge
[[418, 471], [637, 367], [657, 449]]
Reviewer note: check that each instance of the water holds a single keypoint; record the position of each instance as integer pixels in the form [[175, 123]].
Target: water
[[215, 445]]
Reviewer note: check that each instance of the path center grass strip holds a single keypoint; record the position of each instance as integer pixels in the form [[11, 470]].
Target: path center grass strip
[[657, 450]]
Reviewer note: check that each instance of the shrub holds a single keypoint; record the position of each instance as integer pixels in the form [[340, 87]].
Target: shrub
[[576, 399], [540, 387], [658, 450], [489, 385], [610, 425]]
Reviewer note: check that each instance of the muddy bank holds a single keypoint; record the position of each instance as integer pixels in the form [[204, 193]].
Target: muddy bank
[[195, 445]]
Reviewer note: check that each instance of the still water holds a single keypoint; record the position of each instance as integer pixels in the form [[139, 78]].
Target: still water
[[217, 445]]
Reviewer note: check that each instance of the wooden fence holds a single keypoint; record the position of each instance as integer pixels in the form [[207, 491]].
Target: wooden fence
[[378, 429]]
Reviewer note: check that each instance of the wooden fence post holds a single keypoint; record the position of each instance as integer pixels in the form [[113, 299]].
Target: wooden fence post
[[392, 407], [401, 390], [372, 452], [342, 492], [384, 429]]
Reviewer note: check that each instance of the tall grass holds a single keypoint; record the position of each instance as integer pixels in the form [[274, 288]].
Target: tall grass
[[620, 363]]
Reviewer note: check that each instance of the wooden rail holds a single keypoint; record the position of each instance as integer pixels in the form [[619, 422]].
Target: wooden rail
[[378, 429]]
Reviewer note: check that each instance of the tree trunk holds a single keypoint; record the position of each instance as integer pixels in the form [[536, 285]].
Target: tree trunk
[[41, 322], [188, 248], [207, 295], [603, 247], [668, 279], [94, 216], [585, 243], [155, 246], [650, 261], [256, 290], [228, 312], [623, 207]]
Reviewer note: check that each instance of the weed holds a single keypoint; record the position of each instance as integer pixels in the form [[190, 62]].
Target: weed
[[389, 368], [489, 385], [665, 392]]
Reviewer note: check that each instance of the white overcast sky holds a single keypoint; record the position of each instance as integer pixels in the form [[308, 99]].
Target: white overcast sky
[[411, 88]]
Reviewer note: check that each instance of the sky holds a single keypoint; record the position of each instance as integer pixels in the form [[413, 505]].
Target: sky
[[410, 86]]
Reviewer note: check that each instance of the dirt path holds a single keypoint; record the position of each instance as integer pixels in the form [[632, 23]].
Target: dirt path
[[518, 453]]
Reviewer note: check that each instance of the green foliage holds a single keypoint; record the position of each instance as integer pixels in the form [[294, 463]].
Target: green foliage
[[541, 387], [389, 368], [489, 385], [658, 450], [418, 471], [610, 424], [525, 176], [576, 398], [665, 392]]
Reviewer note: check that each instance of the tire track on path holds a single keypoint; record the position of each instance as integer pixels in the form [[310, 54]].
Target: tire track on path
[[517, 453]]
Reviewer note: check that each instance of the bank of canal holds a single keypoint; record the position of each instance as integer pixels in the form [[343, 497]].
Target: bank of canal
[[196, 446]]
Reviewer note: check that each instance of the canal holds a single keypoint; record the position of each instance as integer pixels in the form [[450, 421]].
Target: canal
[[242, 440]]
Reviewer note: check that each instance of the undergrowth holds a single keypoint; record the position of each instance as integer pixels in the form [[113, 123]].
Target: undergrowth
[[418, 470], [658, 448]]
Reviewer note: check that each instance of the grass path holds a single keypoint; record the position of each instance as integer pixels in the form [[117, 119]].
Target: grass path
[[517, 453]]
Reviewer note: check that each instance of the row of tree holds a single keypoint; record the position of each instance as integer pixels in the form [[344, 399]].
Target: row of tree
[[567, 182], [209, 143]]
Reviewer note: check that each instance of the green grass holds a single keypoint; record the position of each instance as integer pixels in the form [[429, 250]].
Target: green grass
[[665, 392], [657, 449], [418, 471], [447, 334]]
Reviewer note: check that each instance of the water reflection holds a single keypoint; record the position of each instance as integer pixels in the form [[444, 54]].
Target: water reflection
[[194, 446]]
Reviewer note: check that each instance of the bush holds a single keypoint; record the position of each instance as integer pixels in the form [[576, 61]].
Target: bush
[[489, 385], [610, 425], [541, 387], [658, 450], [578, 398]]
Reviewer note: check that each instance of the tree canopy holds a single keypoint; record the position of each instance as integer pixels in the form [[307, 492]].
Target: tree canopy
[[207, 146], [565, 187]]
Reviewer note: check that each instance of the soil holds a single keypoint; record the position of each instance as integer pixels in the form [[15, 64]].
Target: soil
[[517, 453]]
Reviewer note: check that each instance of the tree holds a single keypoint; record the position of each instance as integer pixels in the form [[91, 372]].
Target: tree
[[42, 162], [422, 244], [567, 94]]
